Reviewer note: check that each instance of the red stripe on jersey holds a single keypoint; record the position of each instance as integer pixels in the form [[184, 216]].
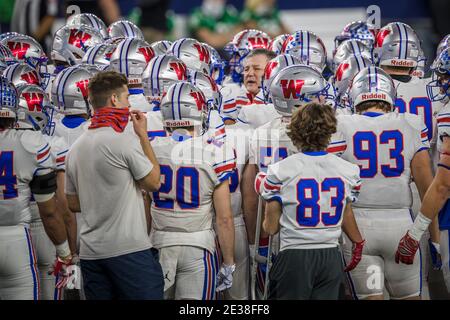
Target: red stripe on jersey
[[225, 167], [61, 159], [229, 106], [43, 154], [242, 102], [446, 119], [337, 149], [219, 132], [269, 187], [424, 135], [357, 187]]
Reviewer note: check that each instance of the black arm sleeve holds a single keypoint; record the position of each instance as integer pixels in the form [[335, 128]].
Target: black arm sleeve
[[44, 184]]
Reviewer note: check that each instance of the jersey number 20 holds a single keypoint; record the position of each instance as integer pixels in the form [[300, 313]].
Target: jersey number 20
[[186, 198]]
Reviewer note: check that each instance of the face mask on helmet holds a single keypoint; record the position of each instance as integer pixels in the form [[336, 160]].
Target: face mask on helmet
[[438, 89], [35, 111], [9, 99]]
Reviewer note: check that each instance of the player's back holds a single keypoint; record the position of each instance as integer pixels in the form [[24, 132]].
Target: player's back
[[239, 139], [314, 188], [412, 97], [383, 145], [182, 209], [256, 115], [21, 153], [70, 128], [270, 143]]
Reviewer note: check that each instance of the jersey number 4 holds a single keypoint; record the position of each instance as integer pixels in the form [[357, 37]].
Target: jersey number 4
[[7, 177], [186, 198], [309, 213], [365, 147]]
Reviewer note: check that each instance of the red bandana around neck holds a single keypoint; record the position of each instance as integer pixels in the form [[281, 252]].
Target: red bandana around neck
[[116, 118]]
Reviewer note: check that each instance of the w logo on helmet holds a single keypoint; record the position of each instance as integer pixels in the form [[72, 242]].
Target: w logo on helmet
[[340, 71], [180, 70], [381, 36], [147, 52], [269, 69], [83, 86], [19, 49], [34, 101], [30, 77], [292, 88], [258, 42], [203, 53], [78, 38], [199, 99]]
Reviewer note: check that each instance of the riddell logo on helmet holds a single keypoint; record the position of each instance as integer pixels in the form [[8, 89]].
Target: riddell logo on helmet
[[373, 96], [402, 63], [181, 123]]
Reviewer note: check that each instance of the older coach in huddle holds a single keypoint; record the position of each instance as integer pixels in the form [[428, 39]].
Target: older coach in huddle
[[107, 168]]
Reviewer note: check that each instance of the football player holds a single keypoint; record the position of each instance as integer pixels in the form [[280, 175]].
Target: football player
[[375, 139], [195, 174], [27, 169]]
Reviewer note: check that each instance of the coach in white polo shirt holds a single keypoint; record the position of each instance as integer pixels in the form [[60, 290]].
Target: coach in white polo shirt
[[106, 170]]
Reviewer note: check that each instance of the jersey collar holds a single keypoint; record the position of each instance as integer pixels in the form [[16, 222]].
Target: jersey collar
[[72, 122], [373, 114], [135, 91], [315, 153]]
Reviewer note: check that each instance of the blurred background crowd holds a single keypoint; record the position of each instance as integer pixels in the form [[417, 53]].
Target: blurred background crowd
[[217, 21]]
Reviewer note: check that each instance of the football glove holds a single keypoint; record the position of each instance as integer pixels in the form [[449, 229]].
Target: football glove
[[356, 255], [406, 250], [225, 277], [67, 272]]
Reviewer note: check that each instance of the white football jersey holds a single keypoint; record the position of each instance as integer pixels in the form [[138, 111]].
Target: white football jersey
[[155, 126], [255, 115], [59, 151], [412, 97], [182, 210], [24, 154], [313, 188], [230, 90], [244, 99], [443, 124], [270, 144], [70, 128], [383, 146], [239, 139], [139, 102]]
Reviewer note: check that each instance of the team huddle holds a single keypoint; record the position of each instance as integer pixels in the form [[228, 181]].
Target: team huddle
[[284, 172]]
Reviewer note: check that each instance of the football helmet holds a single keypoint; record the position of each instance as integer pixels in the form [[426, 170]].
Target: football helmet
[[161, 47], [356, 30], [20, 73], [297, 85], [276, 45], [6, 58], [209, 88], [70, 43], [217, 71], [444, 43], [9, 99], [35, 110], [90, 20], [421, 62], [126, 29], [349, 48], [273, 67], [438, 88], [26, 49], [99, 54], [184, 105], [372, 83], [398, 46], [131, 57], [70, 91], [194, 54], [161, 72], [308, 47]]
